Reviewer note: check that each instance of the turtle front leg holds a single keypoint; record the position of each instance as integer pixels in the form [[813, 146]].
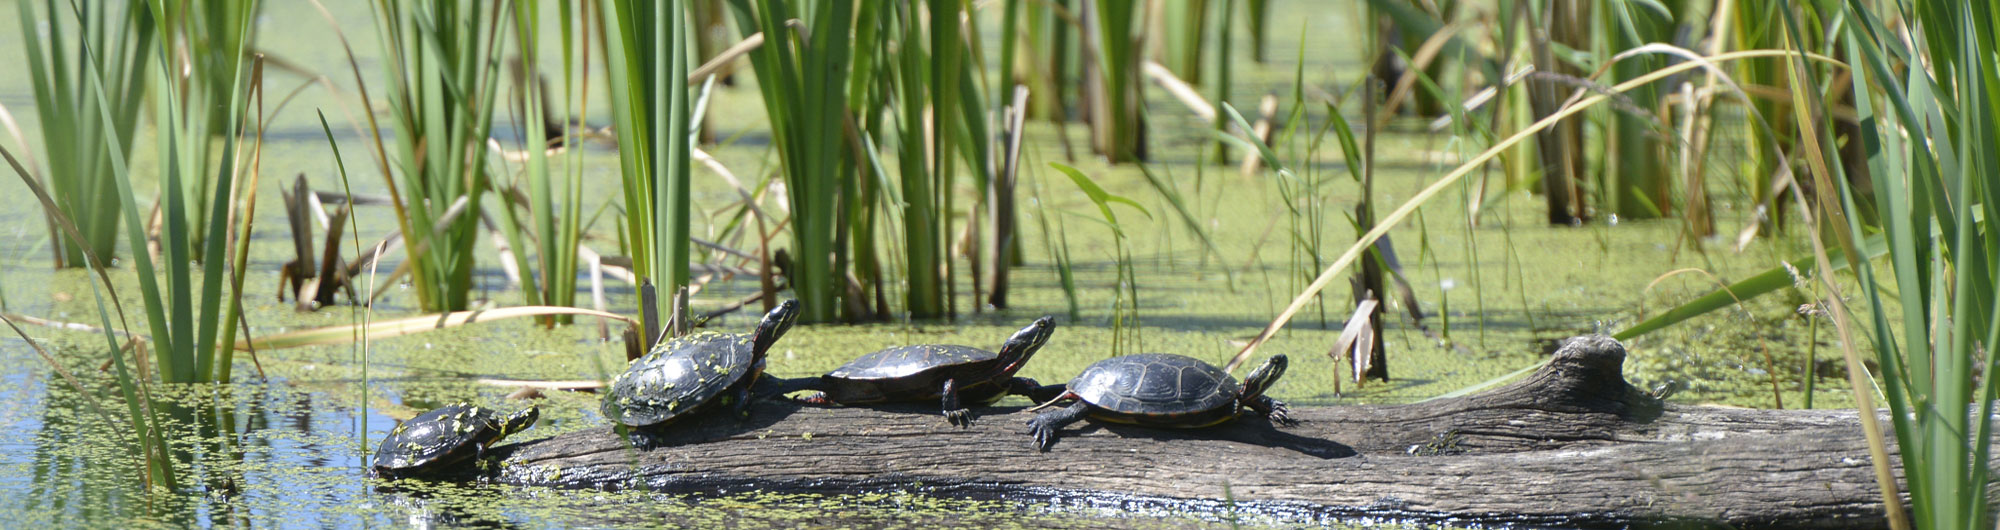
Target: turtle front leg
[[741, 406], [1274, 410], [1045, 425], [954, 413], [640, 438], [479, 459]]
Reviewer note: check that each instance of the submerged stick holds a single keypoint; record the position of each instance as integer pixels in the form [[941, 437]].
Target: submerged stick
[[1181, 91]]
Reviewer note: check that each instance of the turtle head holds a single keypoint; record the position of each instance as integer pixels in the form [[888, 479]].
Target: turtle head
[[1025, 343], [1263, 377], [520, 421], [775, 324]]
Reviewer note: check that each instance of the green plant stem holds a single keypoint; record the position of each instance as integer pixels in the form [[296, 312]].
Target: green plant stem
[[76, 143], [803, 74], [1223, 62]]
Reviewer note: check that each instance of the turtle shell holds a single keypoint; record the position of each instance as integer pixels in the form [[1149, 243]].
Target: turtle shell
[[908, 361], [1155, 384], [679, 376], [438, 437]]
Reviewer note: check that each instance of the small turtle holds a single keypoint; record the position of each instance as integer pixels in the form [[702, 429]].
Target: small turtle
[[436, 439], [1161, 390], [950, 373], [685, 374]]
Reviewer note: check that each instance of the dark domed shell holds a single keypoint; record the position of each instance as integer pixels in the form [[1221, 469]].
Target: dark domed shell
[[434, 435], [1154, 383], [907, 361], [677, 376]]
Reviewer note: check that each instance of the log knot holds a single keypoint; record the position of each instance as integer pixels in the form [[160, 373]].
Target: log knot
[[1587, 375], [1596, 362]]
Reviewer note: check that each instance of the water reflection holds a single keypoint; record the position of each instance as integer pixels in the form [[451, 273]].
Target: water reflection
[[258, 455]]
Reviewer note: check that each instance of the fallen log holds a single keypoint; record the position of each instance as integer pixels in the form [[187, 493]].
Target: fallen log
[[1572, 444]]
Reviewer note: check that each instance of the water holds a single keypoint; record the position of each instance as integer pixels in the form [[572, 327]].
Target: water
[[288, 448]]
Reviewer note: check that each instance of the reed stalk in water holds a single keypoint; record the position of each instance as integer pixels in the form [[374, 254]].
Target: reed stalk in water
[[802, 71], [442, 66], [114, 47]]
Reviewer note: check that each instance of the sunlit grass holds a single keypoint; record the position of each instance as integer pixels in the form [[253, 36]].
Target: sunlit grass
[[210, 41], [924, 218], [648, 57]]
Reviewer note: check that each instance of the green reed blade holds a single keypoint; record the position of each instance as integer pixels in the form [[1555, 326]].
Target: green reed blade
[[1927, 183], [75, 141], [647, 51], [442, 61], [1771, 280], [1188, 218], [158, 470], [1098, 196], [803, 77]]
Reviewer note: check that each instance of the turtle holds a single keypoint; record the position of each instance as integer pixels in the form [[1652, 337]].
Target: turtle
[[447, 435], [688, 374], [950, 373], [1161, 390]]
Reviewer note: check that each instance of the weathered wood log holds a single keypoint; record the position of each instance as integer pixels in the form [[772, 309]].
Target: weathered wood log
[[1572, 444]]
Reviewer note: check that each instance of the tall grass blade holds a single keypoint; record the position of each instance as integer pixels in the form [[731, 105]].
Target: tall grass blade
[[1762, 283], [1125, 293], [186, 338], [1223, 65], [1117, 104], [1179, 204], [802, 72], [1259, 17], [553, 206], [1931, 160], [131, 386], [1185, 25], [443, 67], [1390, 220], [77, 145]]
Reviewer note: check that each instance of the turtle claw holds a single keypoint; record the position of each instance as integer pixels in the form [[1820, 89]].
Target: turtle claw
[[1045, 434], [959, 417], [1281, 414], [1044, 425]]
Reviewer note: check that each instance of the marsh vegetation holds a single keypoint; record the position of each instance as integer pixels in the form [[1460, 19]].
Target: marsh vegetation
[[1776, 205]]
